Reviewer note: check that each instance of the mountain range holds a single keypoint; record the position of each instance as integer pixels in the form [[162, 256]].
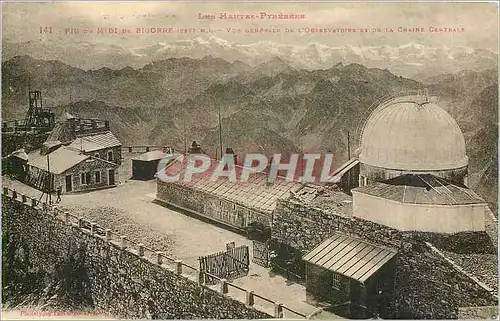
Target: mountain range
[[410, 60], [272, 107]]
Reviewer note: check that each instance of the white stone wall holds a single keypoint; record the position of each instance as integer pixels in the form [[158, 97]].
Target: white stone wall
[[419, 217]]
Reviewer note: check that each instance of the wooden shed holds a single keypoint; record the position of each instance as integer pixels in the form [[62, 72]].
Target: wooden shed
[[145, 166], [353, 275]]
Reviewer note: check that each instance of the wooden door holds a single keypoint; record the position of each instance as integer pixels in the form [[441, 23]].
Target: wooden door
[[69, 183], [111, 177]]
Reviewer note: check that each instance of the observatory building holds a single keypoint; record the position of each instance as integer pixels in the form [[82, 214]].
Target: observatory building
[[413, 170], [411, 134]]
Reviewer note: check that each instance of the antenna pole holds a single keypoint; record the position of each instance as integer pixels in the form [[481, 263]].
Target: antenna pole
[[185, 137], [348, 146], [220, 131], [49, 181]]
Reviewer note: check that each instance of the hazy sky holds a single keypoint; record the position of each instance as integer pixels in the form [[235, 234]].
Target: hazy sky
[[22, 22]]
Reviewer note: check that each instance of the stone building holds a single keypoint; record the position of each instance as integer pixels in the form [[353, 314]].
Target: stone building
[[91, 136], [101, 145], [237, 205], [71, 170]]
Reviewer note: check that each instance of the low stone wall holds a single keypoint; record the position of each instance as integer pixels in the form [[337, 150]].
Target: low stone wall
[[490, 313], [110, 275]]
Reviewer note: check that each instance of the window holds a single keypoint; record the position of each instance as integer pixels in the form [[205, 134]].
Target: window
[[96, 155], [110, 156], [85, 178], [97, 177], [336, 281]]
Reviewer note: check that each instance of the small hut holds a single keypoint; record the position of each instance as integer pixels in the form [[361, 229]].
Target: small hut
[[145, 166], [17, 164], [353, 275]]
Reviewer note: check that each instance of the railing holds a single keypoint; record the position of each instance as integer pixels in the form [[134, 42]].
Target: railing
[[156, 257], [142, 148]]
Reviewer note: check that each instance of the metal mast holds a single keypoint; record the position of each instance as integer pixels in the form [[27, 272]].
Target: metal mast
[[348, 146], [220, 131]]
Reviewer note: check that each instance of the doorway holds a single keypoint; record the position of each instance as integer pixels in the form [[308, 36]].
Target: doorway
[[111, 177], [69, 183]]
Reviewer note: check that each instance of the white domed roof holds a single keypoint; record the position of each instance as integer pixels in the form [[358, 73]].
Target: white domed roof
[[412, 133]]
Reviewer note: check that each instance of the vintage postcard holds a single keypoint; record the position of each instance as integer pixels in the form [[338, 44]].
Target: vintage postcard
[[249, 160]]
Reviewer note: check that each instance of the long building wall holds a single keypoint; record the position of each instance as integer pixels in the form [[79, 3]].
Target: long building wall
[[212, 207], [41, 249]]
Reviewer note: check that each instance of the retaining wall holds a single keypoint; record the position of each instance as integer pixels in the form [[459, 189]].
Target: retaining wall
[[110, 272]]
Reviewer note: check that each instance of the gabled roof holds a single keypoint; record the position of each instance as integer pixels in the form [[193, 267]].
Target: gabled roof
[[21, 154], [95, 142], [68, 116], [150, 156], [422, 189], [60, 160], [84, 145], [350, 256]]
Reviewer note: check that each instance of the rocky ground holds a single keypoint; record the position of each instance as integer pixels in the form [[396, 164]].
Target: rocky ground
[[482, 266], [123, 225]]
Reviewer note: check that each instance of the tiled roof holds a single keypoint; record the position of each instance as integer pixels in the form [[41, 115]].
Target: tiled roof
[[255, 193], [94, 142], [350, 256], [60, 160], [149, 156], [422, 189]]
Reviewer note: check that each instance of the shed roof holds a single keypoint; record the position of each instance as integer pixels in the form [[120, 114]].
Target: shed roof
[[422, 189], [337, 176], [95, 142], [150, 156], [350, 256], [21, 154], [84, 145], [60, 160], [255, 193]]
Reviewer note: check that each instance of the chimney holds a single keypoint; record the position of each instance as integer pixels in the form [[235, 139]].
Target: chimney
[[195, 148], [230, 151], [106, 124], [94, 124]]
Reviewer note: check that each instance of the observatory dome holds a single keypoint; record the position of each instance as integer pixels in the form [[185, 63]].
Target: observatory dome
[[412, 133]]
